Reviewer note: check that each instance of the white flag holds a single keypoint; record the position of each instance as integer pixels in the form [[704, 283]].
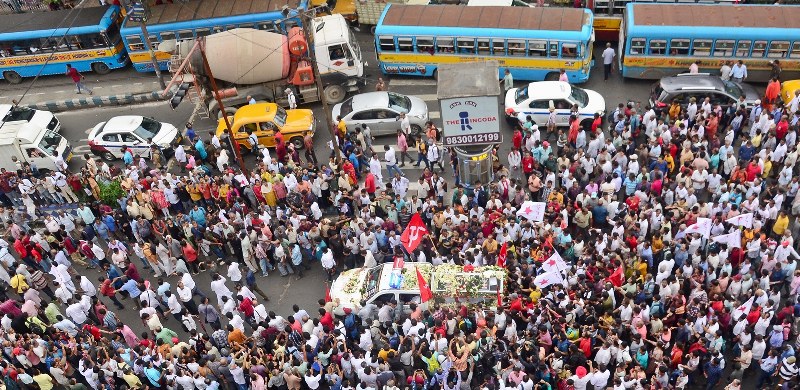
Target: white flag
[[555, 263], [532, 211], [743, 309], [702, 227], [733, 240], [744, 220], [548, 278]]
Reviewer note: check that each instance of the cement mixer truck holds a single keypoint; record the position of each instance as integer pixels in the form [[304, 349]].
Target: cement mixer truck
[[264, 65]]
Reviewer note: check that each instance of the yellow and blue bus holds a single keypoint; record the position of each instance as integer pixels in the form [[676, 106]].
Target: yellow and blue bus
[[533, 43], [88, 38], [658, 40], [191, 19]]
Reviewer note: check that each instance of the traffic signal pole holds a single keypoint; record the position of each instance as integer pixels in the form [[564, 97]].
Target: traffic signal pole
[[215, 92]]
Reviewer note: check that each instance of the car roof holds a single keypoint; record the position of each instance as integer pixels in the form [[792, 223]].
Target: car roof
[[123, 123], [692, 82], [258, 111], [365, 101], [538, 90]]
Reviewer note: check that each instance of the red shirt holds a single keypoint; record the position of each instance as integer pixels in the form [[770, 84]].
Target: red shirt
[[527, 164], [752, 171], [369, 183], [247, 307], [326, 321], [74, 74], [517, 139], [190, 253]]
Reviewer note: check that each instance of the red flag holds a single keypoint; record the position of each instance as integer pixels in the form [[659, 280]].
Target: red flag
[[425, 293], [616, 278], [415, 231], [328, 293], [499, 298], [501, 258], [398, 263]]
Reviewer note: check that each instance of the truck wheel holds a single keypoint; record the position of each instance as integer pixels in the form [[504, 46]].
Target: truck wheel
[[108, 156], [298, 142], [372, 30], [100, 68], [229, 110], [334, 94], [12, 77]]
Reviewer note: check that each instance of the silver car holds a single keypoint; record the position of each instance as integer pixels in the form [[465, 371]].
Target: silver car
[[381, 110]]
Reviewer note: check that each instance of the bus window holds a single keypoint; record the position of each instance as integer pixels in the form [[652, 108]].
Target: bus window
[[498, 47], [201, 32], [778, 49], [386, 43], [537, 48], [759, 48], [466, 45], [154, 42], [405, 44], [795, 50], [444, 45], [516, 47], [743, 49], [569, 50], [658, 47], [483, 46], [679, 47], [701, 48], [185, 34], [723, 48], [135, 42], [165, 36], [554, 49], [425, 45], [637, 45], [249, 25]]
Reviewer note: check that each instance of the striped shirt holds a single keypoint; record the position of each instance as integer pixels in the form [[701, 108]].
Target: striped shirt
[[788, 370]]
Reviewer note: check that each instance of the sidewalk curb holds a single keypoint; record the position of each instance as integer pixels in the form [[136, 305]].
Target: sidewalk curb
[[99, 101]]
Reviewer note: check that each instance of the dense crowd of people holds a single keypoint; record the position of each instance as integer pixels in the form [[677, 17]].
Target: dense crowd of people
[[656, 295]]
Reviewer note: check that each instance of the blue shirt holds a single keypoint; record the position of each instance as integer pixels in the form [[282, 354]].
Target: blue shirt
[[110, 223], [127, 158], [132, 288], [201, 149], [739, 72], [199, 216]]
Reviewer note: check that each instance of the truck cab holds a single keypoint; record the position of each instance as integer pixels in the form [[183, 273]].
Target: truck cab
[[339, 57], [32, 136]]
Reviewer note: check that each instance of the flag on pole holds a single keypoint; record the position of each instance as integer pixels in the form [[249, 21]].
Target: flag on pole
[[532, 211], [702, 227], [327, 293], [547, 279], [425, 293], [499, 298], [501, 258], [617, 277], [555, 263], [415, 231], [742, 220], [743, 309], [733, 240]]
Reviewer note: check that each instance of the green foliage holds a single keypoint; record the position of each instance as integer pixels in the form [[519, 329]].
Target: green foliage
[[110, 192]]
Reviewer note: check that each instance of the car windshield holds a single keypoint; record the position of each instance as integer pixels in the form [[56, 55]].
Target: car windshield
[[579, 96], [346, 107], [50, 142], [19, 114], [522, 94], [399, 103], [733, 89], [147, 129], [280, 117]]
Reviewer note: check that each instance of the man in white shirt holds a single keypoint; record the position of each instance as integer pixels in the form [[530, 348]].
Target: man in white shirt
[[391, 161], [608, 60]]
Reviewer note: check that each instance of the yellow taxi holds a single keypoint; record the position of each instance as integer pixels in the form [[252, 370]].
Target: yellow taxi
[[265, 119], [787, 90]]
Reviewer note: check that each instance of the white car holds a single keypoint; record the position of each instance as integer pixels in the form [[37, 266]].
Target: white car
[[134, 131], [380, 111], [536, 99]]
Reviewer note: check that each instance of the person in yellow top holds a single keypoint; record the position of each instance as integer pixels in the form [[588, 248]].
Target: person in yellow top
[[19, 284], [556, 197], [641, 267], [674, 110], [45, 381], [670, 162], [535, 294], [194, 192], [132, 380], [780, 226], [341, 126]]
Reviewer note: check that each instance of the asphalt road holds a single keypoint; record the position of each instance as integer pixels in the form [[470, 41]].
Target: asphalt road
[[284, 292]]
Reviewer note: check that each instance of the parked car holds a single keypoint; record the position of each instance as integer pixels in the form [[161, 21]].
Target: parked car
[[135, 132], [685, 86], [536, 98], [788, 88], [380, 111], [265, 119]]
